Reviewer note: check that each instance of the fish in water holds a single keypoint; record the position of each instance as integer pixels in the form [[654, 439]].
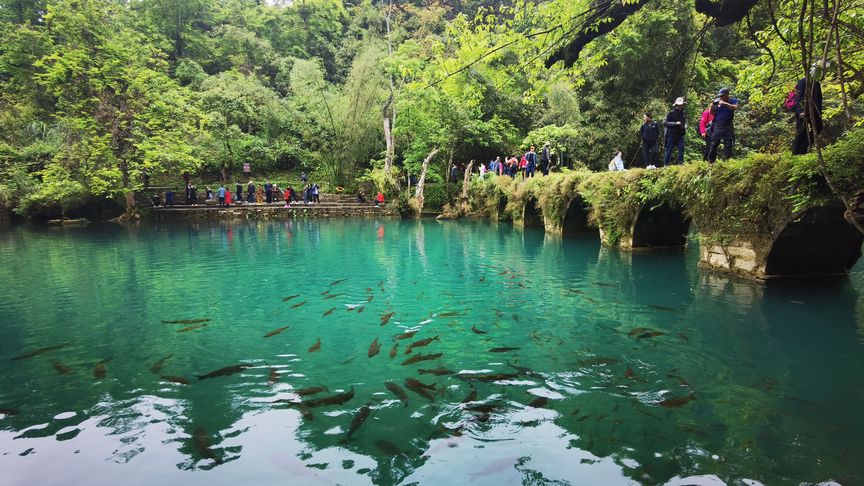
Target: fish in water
[[420, 343], [337, 399], [677, 402], [637, 331], [386, 317], [423, 392], [387, 448], [202, 444], [482, 279], [286, 299], [471, 396], [275, 332], [325, 292], [360, 309], [628, 373], [40, 351], [9, 411], [406, 335], [374, 348], [398, 391], [394, 350], [486, 376], [226, 371], [502, 350], [436, 372], [62, 368], [451, 314], [604, 284], [358, 419], [421, 357], [316, 346], [597, 362], [299, 304], [329, 311], [368, 289], [337, 282], [333, 296], [101, 369], [663, 308], [539, 402], [312, 390], [273, 376], [192, 328], [418, 383], [477, 331], [369, 299], [352, 358], [650, 334], [157, 366], [175, 379], [187, 321], [515, 317]]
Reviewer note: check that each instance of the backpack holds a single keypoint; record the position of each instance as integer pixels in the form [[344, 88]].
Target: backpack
[[791, 100]]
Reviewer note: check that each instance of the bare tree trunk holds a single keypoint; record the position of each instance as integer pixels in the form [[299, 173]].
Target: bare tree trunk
[[421, 183], [390, 105], [465, 183]]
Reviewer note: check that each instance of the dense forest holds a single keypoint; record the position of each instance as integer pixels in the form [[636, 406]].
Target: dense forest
[[99, 97]]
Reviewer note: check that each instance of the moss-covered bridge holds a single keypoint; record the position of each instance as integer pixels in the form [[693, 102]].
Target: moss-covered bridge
[[764, 216]]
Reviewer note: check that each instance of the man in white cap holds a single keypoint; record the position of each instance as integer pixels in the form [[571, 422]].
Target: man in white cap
[[676, 125]]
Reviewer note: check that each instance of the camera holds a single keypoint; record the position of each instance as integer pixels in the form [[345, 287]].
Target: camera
[[716, 102]]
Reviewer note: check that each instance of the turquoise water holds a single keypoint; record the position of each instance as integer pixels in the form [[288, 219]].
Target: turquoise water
[[630, 369]]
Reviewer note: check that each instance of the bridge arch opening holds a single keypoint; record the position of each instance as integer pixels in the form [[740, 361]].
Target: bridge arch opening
[[660, 225], [575, 221], [531, 217], [503, 215], [819, 243]]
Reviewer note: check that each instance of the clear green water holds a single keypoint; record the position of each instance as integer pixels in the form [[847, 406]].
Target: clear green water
[[774, 372]]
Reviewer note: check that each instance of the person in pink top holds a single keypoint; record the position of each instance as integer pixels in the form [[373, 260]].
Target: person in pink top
[[705, 130]]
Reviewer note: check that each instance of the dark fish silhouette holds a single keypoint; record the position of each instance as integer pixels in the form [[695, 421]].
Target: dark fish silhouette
[[386, 317], [360, 309], [352, 358], [286, 299], [369, 299], [421, 357], [388, 448], [299, 304], [502, 350], [273, 376], [157, 366], [40, 351], [451, 314], [423, 392], [312, 390], [202, 444], [61, 368], [407, 335], [677, 402], [192, 328], [650, 334], [638, 330], [374, 348], [187, 321], [420, 343], [333, 296], [9, 411], [471, 396], [325, 292], [337, 399], [515, 317], [275, 332], [486, 376], [477, 331], [482, 279], [418, 383], [316, 346], [101, 369], [329, 311], [358, 420], [539, 402], [436, 372], [663, 308], [398, 391], [175, 379], [604, 284], [226, 371], [337, 282], [394, 350]]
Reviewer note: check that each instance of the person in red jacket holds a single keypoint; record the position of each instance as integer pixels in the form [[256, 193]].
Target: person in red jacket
[[705, 130], [288, 197], [227, 197], [379, 199]]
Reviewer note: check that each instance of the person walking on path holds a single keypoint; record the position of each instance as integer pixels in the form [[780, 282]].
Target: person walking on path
[[303, 178], [706, 128], [193, 191], [287, 196], [250, 192], [531, 162], [188, 193], [724, 131], [649, 133], [676, 124], [803, 136], [169, 198], [316, 189], [545, 159], [221, 193], [379, 199], [239, 192], [227, 197], [268, 192]]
